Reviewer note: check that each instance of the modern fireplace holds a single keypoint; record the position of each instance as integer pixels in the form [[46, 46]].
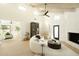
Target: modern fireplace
[[74, 37]]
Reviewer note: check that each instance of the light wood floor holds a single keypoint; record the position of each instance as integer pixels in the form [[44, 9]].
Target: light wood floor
[[15, 48], [20, 48], [71, 47]]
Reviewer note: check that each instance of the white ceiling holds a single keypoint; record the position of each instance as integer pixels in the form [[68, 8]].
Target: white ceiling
[[11, 10], [56, 6], [41, 6]]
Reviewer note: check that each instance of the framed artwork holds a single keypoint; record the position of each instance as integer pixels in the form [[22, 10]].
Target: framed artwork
[[56, 32]]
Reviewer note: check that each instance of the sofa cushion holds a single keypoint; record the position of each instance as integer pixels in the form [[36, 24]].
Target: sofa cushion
[[37, 36]]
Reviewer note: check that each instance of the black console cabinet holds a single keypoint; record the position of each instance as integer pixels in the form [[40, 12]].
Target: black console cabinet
[[34, 28]]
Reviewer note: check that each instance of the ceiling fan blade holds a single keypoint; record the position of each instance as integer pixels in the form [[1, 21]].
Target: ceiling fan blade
[[46, 13]]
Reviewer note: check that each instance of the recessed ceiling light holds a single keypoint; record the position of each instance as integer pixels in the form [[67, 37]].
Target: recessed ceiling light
[[22, 8]]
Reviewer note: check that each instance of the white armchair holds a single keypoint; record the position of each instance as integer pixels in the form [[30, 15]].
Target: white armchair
[[35, 46]]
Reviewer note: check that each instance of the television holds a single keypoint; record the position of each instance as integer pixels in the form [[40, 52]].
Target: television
[[74, 37]]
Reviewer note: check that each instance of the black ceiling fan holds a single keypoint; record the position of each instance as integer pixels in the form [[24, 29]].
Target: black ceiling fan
[[46, 11]]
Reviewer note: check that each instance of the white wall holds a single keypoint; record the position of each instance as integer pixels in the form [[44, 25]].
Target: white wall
[[71, 22], [11, 12], [68, 21], [56, 18]]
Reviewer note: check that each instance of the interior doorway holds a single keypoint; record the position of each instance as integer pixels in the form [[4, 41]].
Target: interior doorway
[[9, 29]]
